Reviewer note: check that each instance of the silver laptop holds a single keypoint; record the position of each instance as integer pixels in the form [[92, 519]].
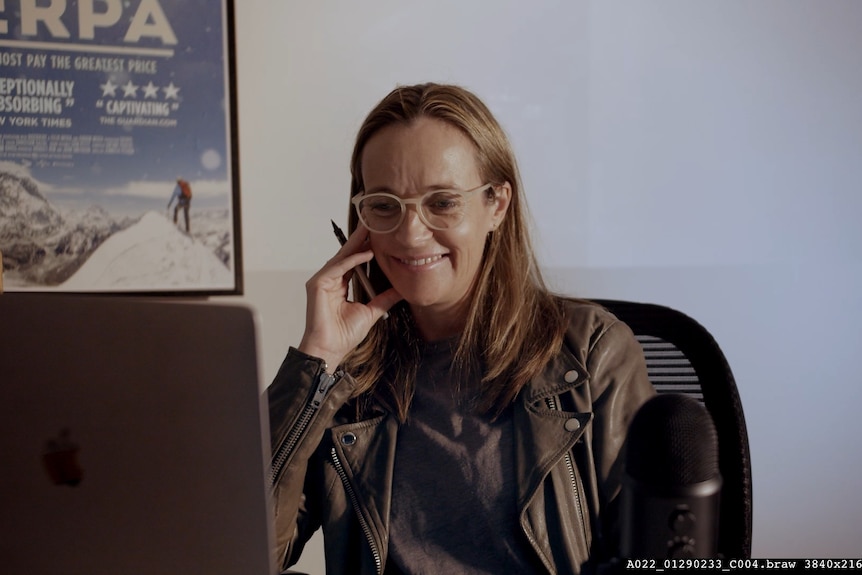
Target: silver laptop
[[133, 438]]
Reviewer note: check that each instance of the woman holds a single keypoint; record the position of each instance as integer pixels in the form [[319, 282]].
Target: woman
[[477, 426]]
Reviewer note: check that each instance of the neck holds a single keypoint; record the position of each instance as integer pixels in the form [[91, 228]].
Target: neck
[[437, 325]]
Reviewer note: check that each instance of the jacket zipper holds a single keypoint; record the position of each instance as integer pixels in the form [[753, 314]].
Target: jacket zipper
[[552, 404], [325, 381], [366, 529]]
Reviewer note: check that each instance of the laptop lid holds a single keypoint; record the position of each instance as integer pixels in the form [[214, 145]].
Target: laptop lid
[[132, 438]]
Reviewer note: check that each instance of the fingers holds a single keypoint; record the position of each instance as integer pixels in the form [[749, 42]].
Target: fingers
[[349, 262], [337, 272], [354, 252], [382, 303], [356, 241]]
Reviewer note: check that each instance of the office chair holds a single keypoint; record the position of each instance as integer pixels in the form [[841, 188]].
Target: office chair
[[682, 357]]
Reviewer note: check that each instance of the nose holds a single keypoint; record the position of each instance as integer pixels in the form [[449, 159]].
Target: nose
[[412, 230]]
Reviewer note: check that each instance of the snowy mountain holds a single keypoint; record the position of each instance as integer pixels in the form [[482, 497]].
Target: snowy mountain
[[213, 227], [45, 246], [151, 254], [22, 208], [41, 244]]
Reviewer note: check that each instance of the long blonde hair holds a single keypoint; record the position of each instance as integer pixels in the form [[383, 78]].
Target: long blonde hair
[[514, 324]]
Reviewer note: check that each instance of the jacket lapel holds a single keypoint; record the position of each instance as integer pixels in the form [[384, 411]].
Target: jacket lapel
[[543, 432], [366, 450]]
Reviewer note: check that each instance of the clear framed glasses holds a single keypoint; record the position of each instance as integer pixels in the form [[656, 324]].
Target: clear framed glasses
[[382, 212]]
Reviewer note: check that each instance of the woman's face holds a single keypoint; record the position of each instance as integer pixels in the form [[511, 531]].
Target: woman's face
[[434, 270]]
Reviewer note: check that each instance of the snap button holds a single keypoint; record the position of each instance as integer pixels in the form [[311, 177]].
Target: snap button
[[572, 424], [571, 376], [348, 439]]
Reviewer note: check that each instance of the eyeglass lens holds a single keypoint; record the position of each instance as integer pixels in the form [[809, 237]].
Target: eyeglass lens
[[384, 212]]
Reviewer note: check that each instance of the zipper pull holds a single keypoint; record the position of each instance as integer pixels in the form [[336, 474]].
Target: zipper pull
[[324, 383]]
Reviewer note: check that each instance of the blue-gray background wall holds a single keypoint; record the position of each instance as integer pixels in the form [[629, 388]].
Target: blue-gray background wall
[[701, 155]]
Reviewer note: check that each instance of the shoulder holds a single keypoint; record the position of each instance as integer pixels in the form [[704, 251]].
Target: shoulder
[[587, 317], [608, 351], [589, 324]]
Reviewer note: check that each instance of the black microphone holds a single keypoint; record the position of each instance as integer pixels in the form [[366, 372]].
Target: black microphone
[[671, 483]]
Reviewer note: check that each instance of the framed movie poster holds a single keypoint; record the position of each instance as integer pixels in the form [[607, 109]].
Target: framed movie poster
[[118, 147]]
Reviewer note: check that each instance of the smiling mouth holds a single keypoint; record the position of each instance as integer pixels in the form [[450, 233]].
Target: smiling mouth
[[420, 262]]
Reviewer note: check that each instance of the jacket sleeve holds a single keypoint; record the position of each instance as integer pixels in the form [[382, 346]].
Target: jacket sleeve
[[619, 385], [297, 426]]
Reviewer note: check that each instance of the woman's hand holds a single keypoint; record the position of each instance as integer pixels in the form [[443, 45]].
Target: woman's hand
[[333, 325]]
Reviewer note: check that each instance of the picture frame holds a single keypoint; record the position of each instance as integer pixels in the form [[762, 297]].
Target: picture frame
[[110, 112]]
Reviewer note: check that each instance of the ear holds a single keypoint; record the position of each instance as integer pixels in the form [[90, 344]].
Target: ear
[[503, 194]]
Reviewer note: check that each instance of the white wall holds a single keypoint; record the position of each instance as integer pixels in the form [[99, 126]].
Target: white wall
[[705, 156]]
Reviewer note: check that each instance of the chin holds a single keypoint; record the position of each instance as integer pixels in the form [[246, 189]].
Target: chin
[[421, 300]]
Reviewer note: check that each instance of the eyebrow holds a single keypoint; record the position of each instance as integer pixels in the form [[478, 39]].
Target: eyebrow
[[431, 188]]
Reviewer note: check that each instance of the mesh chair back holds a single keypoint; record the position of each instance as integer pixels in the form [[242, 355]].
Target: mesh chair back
[[683, 357]]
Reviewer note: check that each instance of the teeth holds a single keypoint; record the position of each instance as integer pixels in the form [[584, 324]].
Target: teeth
[[421, 262]]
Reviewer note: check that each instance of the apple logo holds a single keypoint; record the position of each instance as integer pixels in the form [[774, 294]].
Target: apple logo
[[61, 460]]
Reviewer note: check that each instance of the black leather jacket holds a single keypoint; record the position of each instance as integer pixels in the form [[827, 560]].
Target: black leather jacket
[[570, 426]]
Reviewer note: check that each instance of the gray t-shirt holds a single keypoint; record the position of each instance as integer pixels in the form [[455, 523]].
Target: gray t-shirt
[[454, 500]]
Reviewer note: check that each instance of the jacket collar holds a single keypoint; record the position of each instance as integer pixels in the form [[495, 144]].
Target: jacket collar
[[563, 373], [544, 430]]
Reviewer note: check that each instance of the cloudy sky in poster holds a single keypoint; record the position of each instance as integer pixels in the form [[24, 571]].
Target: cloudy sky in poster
[[143, 90]]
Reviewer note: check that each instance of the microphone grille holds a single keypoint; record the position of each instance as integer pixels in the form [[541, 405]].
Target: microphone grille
[[672, 441]]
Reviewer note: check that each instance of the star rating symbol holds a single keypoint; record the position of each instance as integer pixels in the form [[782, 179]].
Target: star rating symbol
[[171, 91], [151, 91], [130, 90], [108, 88]]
